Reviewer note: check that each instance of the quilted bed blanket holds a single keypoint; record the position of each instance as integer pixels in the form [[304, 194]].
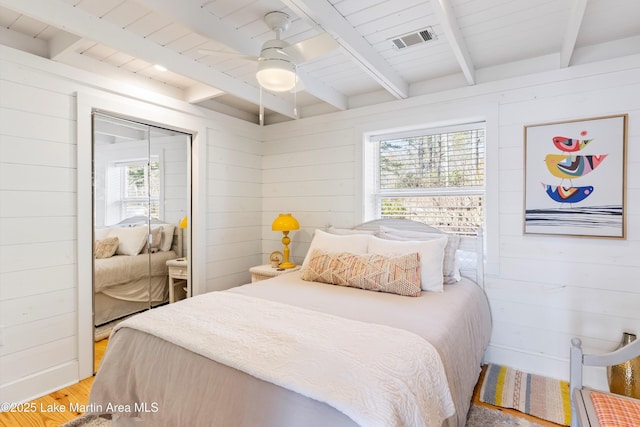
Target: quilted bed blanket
[[375, 374]]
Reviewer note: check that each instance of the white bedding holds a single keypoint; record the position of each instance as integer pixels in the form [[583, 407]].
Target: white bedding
[[121, 269], [375, 374], [456, 322]]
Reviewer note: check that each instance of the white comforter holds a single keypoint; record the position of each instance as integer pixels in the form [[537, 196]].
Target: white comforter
[[121, 269], [375, 374]]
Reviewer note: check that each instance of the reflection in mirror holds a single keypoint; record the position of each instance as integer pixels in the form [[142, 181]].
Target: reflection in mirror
[[141, 194]]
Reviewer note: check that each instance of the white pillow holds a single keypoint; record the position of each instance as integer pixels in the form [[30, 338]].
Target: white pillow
[[353, 243], [431, 257], [450, 271], [101, 233], [167, 235], [130, 240]]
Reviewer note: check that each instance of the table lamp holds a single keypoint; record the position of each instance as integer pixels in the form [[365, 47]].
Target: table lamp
[[285, 223], [184, 223]]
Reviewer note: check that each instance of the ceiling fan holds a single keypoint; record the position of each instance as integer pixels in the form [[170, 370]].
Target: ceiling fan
[[278, 59]]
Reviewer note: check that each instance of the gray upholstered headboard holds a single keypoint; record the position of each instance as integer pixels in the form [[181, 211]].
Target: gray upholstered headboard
[[472, 247]]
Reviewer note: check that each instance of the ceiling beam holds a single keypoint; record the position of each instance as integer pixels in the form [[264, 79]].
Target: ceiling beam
[[63, 15], [62, 44], [199, 92], [571, 33], [451, 30], [86, 63], [322, 14], [190, 14]]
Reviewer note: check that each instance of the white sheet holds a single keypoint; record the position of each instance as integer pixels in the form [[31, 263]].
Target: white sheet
[[377, 375], [121, 269]]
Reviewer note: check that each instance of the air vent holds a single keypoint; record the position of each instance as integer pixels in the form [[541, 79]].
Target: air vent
[[414, 38]]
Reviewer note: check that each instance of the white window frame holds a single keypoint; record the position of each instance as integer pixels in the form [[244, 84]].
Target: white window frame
[[119, 194], [372, 193]]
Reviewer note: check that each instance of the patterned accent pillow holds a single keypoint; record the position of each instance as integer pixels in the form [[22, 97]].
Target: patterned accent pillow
[[397, 274], [106, 248], [431, 257]]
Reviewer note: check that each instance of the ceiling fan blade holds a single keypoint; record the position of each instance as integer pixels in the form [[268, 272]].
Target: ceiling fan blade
[[309, 49], [227, 54]]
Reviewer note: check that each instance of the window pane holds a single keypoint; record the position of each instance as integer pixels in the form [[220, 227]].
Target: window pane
[[445, 160], [154, 206], [154, 179], [435, 176], [136, 181], [130, 209], [460, 214]]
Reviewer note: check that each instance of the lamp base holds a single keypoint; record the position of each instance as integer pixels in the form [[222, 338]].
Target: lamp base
[[287, 265]]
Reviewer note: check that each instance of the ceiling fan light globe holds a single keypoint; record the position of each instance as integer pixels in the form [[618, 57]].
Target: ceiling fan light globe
[[276, 75]]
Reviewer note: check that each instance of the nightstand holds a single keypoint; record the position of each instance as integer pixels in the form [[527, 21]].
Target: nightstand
[[178, 272], [262, 272]]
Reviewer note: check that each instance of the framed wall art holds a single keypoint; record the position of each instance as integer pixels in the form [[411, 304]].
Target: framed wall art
[[575, 177]]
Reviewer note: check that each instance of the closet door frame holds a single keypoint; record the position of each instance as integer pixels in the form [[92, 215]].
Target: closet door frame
[[179, 117], [145, 145]]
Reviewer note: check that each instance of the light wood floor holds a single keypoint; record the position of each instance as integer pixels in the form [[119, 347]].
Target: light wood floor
[[49, 408], [79, 394]]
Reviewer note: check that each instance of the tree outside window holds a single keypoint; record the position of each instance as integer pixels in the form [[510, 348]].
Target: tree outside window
[[435, 177]]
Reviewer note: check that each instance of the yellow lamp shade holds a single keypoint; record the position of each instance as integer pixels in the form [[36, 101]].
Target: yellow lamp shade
[[184, 222], [285, 222]]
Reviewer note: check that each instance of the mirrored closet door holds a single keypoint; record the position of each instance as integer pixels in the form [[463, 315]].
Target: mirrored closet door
[[141, 211]]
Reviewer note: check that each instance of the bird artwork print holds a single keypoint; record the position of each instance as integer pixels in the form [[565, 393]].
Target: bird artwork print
[[567, 194], [575, 177], [570, 165], [570, 145]]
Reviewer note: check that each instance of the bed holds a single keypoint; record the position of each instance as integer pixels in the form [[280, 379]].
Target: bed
[[288, 352], [130, 273]]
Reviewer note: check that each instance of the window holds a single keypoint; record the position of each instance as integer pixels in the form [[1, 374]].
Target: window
[[133, 189], [141, 189], [435, 176]]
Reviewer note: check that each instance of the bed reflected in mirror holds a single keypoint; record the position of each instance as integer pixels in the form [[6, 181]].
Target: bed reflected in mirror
[[141, 194]]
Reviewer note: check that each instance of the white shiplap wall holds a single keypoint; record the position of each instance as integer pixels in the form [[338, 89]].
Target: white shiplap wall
[[41, 339], [234, 205], [37, 234], [542, 290]]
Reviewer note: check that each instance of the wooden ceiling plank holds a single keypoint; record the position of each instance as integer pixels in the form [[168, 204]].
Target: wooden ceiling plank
[[576, 16], [327, 94], [321, 13], [62, 15], [20, 41], [121, 75], [450, 27]]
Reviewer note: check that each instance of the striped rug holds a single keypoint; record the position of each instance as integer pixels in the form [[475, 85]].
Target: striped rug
[[535, 395]]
